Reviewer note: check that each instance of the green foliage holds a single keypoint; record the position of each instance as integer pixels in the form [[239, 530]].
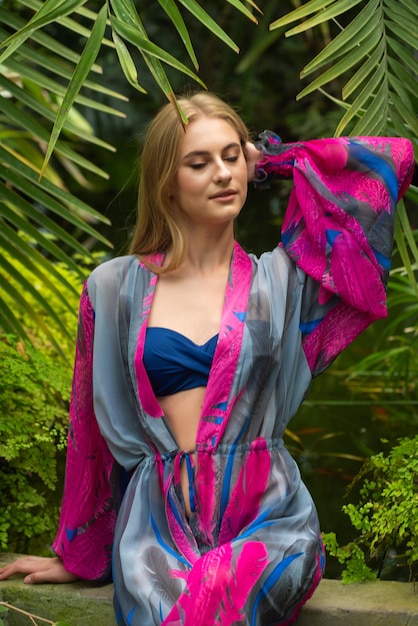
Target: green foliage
[[51, 88], [34, 394], [352, 557], [373, 51], [3, 609], [35, 388], [389, 374], [49, 70], [53, 93], [386, 514], [51, 328]]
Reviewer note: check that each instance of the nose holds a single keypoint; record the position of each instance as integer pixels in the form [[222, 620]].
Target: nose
[[222, 171]]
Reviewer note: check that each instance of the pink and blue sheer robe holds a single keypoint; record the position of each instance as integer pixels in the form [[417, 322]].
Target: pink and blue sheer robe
[[250, 552]]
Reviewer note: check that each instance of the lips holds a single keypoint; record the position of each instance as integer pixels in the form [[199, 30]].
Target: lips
[[224, 194]]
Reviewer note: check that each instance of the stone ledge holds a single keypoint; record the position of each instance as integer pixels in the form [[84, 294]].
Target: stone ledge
[[333, 604]]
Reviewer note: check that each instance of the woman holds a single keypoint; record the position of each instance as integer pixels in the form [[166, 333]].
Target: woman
[[191, 358]]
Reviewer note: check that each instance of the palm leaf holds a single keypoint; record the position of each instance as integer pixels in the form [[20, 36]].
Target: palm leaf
[[46, 42], [8, 320], [35, 128], [30, 289], [20, 300], [403, 107], [243, 9], [26, 98], [81, 72], [378, 34], [202, 16], [174, 14], [404, 238], [56, 88], [128, 18], [363, 73], [42, 81], [407, 56], [71, 24], [360, 28], [68, 207], [324, 15], [129, 25], [48, 12], [127, 63], [402, 78], [143, 44], [374, 119], [58, 68], [346, 63], [300, 13], [23, 250], [16, 210]]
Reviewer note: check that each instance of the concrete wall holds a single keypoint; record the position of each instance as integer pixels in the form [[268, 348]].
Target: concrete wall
[[333, 604]]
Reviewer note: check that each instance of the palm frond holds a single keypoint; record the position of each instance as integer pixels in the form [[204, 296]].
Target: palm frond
[[373, 53], [44, 86], [371, 60]]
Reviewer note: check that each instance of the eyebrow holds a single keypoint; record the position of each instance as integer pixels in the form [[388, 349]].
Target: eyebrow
[[200, 153]]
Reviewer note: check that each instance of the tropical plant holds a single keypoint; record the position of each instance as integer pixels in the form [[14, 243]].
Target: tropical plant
[[36, 105], [384, 506], [34, 408], [387, 377], [34, 398], [390, 373], [374, 52], [385, 516], [43, 81]]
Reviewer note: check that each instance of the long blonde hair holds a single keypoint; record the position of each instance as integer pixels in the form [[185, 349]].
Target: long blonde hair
[[156, 227]]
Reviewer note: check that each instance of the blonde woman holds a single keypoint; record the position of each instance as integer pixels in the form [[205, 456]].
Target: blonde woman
[[192, 356]]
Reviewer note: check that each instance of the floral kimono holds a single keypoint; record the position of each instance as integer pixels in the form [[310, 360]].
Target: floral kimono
[[250, 552]]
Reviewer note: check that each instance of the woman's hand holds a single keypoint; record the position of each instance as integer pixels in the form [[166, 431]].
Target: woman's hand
[[253, 155], [38, 569]]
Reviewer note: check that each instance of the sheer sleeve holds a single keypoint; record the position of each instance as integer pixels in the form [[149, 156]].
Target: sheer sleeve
[[338, 229], [90, 499]]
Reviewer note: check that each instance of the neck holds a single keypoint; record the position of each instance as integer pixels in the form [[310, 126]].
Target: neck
[[208, 250]]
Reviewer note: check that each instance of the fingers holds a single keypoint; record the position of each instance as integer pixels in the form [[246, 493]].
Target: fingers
[[253, 155], [38, 570], [52, 575], [21, 566]]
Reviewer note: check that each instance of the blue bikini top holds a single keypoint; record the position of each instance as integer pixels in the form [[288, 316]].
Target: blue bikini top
[[175, 363]]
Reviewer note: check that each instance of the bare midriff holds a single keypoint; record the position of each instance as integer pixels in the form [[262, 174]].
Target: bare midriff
[[182, 413]]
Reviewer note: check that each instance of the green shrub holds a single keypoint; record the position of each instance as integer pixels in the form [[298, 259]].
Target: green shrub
[[386, 515], [34, 395], [35, 387]]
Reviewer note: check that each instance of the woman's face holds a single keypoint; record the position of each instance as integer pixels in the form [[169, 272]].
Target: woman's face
[[210, 186]]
